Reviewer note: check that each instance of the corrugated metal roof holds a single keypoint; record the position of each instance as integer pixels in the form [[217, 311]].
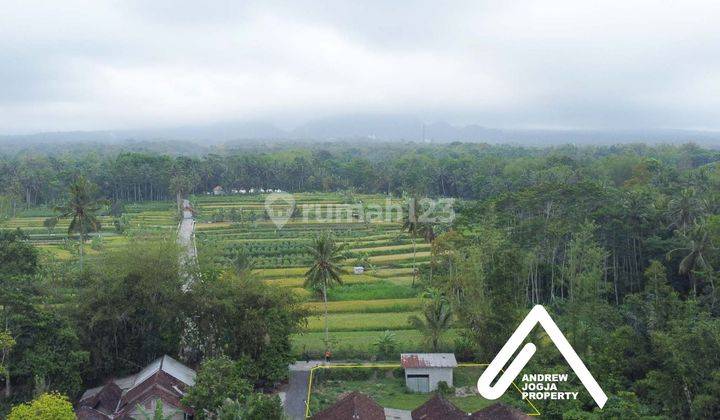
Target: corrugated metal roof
[[428, 360], [165, 363]]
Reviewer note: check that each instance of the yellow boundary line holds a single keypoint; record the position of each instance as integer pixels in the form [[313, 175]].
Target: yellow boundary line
[[396, 365]]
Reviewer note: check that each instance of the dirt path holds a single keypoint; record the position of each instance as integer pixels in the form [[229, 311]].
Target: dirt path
[[187, 241]]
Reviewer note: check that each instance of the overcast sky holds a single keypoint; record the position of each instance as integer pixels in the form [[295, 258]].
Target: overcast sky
[[88, 65]]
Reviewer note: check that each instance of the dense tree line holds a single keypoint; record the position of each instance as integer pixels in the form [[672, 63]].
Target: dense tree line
[[470, 171], [626, 258], [619, 243], [63, 329]]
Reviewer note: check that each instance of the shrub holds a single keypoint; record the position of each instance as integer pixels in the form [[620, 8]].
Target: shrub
[[386, 345], [444, 389], [45, 407]]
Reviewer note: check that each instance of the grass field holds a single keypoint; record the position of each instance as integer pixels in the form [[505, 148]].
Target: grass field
[[366, 304], [157, 217], [361, 308], [386, 386]]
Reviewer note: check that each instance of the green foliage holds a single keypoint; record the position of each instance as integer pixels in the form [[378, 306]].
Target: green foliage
[[132, 306], [242, 317], [157, 414], [254, 407], [17, 256], [50, 224], [45, 407], [436, 318], [220, 379], [121, 224], [444, 389], [386, 345]]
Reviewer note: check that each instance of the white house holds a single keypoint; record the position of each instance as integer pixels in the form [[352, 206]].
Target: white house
[[423, 371]]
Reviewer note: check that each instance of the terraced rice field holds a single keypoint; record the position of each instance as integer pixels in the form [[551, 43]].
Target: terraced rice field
[[382, 298], [143, 217]]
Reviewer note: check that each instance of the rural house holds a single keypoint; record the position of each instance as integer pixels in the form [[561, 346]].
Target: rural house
[[355, 406], [423, 371], [438, 407], [165, 379]]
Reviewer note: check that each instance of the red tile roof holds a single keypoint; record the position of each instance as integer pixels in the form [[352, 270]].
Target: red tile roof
[[438, 408], [500, 411], [353, 406]]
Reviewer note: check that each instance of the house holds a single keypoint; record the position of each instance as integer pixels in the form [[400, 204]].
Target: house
[[218, 190], [500, 411], [355, 406], [358, 270], [165, 379], [438, 407], [423, 371]]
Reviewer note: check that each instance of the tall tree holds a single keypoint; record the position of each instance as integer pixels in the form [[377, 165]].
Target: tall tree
[[7, 342], [682, 209], [412, 226], [699, 247], [436, 318], [326, 270], [81, 208]]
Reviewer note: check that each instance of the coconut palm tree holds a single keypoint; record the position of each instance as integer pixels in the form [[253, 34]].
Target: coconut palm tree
[[326, 270], [436, 318], [411, 226], [698, 249], [81, 208], [682, 209]]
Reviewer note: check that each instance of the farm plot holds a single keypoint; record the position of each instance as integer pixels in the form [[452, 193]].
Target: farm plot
[[136, 218], [382, 298]]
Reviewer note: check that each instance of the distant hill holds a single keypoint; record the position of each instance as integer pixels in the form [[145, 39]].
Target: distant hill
[[378, 127]]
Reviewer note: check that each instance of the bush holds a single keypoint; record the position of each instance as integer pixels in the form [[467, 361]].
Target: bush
[[386, 345], [444, 389], [45, 407]]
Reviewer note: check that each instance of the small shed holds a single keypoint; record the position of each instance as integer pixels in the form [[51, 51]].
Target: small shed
[[423, 371], [218, 190], [358, 270]]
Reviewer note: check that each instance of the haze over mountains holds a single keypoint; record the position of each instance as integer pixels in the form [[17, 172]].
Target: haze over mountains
[[372, 127]]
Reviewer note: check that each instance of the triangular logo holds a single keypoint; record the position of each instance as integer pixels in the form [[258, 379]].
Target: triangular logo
[[538, 314]]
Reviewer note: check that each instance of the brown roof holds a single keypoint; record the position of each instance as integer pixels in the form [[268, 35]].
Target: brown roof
[[438, 408], [428, 360], [500, 411], [165, 378], [353, 406]]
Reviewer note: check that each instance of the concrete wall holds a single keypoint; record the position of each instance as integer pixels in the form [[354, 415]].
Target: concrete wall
[[436, 375]]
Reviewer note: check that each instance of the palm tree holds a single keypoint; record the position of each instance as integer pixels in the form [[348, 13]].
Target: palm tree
[[411, 226], [682, 209], [81, 207], [699, 247], [437, 318], [326, 270]]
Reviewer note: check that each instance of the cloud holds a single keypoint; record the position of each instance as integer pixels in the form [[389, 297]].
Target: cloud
[[109, 65]]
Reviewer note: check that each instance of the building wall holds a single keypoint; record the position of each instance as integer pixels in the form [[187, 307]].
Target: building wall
[[435, 375], [170, 411]]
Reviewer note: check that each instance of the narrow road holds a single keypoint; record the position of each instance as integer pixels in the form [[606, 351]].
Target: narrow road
[[296, 394], [297, 388], [185, 239]]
